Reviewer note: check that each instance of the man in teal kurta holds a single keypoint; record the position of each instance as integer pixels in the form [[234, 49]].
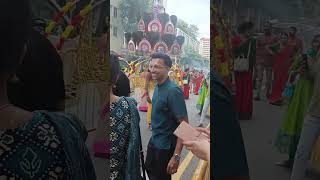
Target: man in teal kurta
[[168, 111]]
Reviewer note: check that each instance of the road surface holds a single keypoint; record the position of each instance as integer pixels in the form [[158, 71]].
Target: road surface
[[259, 134]]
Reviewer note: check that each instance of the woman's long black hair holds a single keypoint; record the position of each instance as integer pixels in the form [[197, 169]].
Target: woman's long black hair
[[114, 67]]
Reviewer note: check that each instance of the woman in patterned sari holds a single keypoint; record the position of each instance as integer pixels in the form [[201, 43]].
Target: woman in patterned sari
[[289, 133], [38, 144], [125, 137], [243, 80]]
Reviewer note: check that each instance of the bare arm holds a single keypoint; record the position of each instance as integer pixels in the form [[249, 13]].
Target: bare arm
[[179, 145]]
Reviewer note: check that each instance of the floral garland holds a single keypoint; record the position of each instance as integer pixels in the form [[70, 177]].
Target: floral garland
[[75, 20], [66, 8], [220, 46]]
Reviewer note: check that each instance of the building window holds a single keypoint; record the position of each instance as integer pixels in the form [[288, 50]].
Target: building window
[[115, 12], [115, 31]]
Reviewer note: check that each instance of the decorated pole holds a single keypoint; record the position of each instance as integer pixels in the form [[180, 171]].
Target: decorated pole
[[220, 51], [65, 9]]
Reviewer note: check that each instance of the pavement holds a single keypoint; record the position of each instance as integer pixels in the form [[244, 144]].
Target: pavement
[[259, 134]]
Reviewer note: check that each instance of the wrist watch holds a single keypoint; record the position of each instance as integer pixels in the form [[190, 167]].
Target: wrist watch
[[176, 157]]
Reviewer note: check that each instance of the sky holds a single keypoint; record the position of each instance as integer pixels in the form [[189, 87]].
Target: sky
[[195, 12]]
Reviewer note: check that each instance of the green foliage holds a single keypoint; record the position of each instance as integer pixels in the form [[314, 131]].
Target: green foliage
[[191, 30], [193, 58]]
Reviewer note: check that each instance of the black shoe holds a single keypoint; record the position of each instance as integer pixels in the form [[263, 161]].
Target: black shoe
[[286, 164], [277, 103], [200, 125], [257, 98]]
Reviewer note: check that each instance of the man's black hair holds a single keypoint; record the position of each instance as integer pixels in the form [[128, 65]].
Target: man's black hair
[[284, 34], [245, 26], [166, 59], [294, 28]]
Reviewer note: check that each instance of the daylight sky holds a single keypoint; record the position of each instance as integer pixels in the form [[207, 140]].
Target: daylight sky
[[193, 12]]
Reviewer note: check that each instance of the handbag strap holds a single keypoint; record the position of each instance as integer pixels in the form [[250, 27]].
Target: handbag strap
[[249, 51]]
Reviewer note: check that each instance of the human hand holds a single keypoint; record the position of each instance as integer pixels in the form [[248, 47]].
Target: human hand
[[173, 166], [205, 132], [148, 76], [200, 148]]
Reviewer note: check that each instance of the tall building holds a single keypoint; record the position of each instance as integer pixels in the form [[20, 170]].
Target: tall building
[[204, 49], [188, 41], [116, 29]]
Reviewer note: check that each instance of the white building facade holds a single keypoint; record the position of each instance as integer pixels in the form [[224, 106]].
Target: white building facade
[[116, 29], [204, 49]]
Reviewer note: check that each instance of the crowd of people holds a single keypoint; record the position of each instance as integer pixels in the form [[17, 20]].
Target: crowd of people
[[289, 75], [40, 141], [167, 112]]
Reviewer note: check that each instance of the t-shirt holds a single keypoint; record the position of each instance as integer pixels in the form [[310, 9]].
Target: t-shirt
[[122, 86], [228, 151], [41, 84], [168, 106]]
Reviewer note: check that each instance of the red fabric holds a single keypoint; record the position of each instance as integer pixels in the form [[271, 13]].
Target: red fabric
[[198, 84], [143, 108], [186, 90], [235, 41], [77, 19], [57, 17], [263, 56], [243, 86], [280, 68], [60, 43], [244, 92]]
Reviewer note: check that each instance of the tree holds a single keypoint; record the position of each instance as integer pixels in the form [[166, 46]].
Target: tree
[[193, 58], [191, 30], [131, 11], [194, 30]]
